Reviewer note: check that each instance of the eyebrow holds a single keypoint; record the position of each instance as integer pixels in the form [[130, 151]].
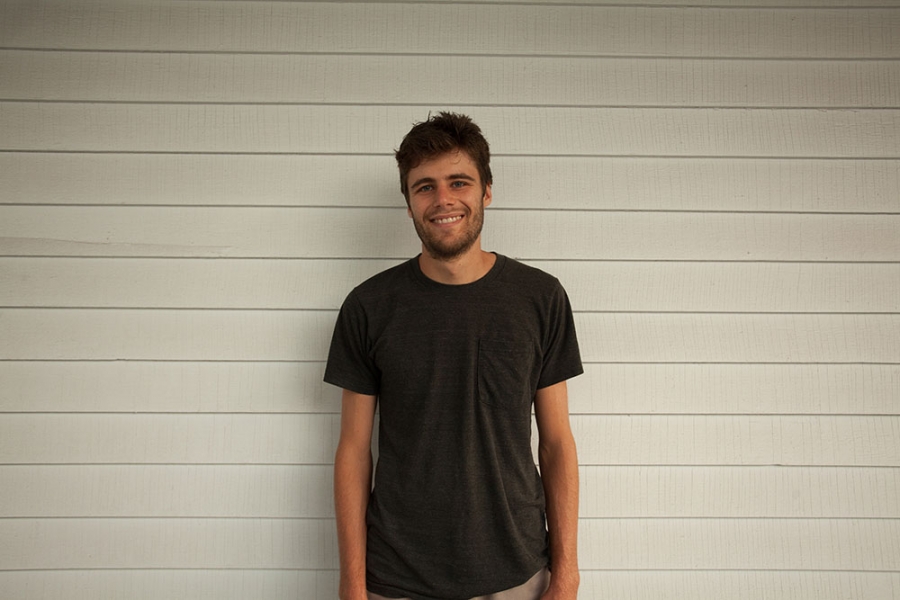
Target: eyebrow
[[451, 177]]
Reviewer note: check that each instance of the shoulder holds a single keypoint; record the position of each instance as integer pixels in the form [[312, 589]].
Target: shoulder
[[384, 283], [528, 277]]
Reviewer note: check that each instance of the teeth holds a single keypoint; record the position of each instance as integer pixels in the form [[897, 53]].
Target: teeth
[[448, 219]]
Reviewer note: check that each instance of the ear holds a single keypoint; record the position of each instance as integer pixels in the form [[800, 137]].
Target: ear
[[408, 211], [488, 196]]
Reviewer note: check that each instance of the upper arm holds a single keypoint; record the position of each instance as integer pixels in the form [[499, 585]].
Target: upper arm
[[357, 418], [551, 412]]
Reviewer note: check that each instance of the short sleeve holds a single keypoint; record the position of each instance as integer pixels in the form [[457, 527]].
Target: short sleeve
[[562, 358], [350, 365]]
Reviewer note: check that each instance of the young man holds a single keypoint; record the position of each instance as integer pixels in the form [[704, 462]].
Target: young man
[[456, 346]]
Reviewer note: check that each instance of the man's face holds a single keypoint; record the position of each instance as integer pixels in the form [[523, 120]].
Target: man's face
[[446, 204]]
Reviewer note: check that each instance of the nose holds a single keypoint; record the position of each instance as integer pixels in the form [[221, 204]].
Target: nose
[[444, 195]]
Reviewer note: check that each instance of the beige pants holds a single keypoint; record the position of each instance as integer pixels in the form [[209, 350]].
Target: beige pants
[[530, 590]]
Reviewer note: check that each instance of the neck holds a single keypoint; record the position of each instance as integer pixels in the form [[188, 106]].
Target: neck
[[471, 266]]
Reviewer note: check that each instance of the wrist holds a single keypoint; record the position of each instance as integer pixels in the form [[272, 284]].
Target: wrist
[[565, 578], [564, 566], [352, 589]]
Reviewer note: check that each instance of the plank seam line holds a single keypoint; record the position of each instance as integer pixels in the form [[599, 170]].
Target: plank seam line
[[523, 55], [501, 209], [499, 55], [220, 259], [322, 361], [219, 309], [404, 258], [547, 106], [332, 570], [308, 103], [585, 465], [642, 5], [731, 157], [629, 415], [331, 518], [667, 467]]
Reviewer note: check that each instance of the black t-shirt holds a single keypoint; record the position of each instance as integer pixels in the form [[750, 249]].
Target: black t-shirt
[[457, 508]]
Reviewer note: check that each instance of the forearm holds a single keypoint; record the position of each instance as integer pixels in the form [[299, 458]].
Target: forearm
[[352, 484], [559, 471]]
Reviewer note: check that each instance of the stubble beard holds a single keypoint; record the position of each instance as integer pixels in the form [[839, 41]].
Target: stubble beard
[[439, 249]]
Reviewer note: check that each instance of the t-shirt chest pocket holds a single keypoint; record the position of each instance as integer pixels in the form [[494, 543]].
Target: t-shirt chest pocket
[[505, 370]]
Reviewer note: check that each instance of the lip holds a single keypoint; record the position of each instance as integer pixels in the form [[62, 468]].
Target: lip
[[440, 220]]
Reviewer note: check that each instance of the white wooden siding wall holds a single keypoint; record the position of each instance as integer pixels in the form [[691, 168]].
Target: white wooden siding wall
[[188, 189]]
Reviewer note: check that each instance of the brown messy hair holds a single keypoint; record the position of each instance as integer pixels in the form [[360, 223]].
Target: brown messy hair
[[442, 133]]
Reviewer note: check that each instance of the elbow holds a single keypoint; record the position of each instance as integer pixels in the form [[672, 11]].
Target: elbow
[[562, 446]]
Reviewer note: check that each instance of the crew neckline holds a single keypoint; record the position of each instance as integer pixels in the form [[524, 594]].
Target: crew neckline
[[418, 275]]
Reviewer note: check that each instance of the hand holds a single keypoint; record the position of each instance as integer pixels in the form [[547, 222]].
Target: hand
[[551, 594], [562, 588], [350, 591]]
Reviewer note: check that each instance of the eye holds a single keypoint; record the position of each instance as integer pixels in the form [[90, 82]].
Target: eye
[[459, 183], [423, 188]]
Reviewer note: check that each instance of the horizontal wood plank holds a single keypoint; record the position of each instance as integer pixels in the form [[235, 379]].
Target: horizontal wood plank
[[117, 334], [866, 441], [735, 389], [752, 492], [168, 387], [260, 387], [862, 545], [728, 287], [224, 491], [738, 585], [239, 584], [165, 335], [185, 283], [282, 129], [473, 29], [169, 439], [197, 584], [200, 491], [168, 543], [286, 129], [807, 544], [275, 491], [592, 286], [754, 440], [506, 80], [278, 232], [660, 338], [597, 183]]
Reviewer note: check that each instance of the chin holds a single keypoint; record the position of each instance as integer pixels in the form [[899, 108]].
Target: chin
[[445, 254]]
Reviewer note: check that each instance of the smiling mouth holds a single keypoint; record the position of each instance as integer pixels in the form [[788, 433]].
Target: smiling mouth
[[446, 220]]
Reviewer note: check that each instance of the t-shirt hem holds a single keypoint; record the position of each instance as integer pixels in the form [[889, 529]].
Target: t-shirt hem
[[351, 386], [390, 592], [560, 378]]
